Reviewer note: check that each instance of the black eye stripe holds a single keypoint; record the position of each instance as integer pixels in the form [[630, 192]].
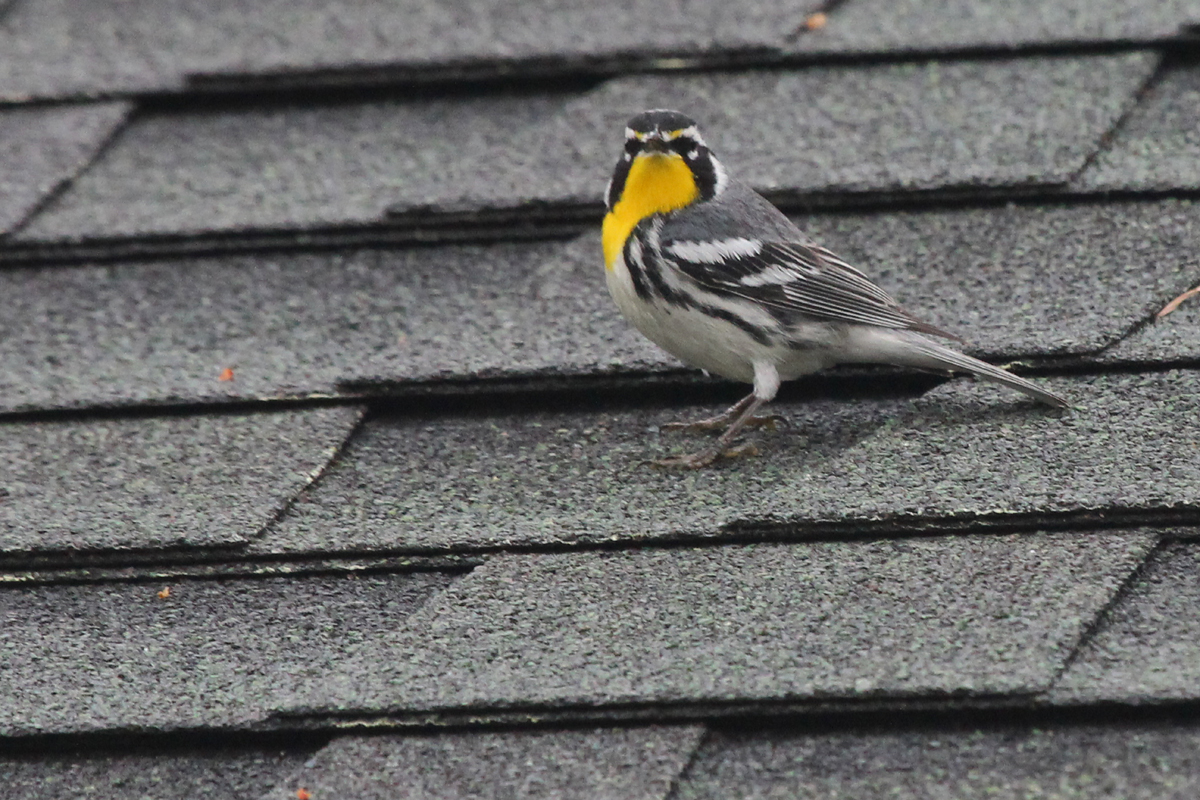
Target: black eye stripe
[[683, 145]]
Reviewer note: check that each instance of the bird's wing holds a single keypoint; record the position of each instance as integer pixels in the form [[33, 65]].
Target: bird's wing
[[796, 277]]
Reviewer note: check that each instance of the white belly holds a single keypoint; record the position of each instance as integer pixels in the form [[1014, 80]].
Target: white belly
[[701, 340]]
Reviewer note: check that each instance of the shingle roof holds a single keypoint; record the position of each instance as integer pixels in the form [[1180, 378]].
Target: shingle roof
[[888, 127], [1158, 147], [887, 27], [1173, 338], [149, 482], [184, 653], [1147, 648], [550, 765], [153, 771], [56, 48], [322, 448], [44, 148], [980, 615], [961, 455], [1137, 761]]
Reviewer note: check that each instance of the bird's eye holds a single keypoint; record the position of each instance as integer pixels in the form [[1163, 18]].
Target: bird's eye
[[693, 155], [684, 146]]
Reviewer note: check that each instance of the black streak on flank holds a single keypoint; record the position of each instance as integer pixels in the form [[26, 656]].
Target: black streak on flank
[[753, 331]]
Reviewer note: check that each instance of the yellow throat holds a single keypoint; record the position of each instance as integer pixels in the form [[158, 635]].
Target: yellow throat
[[657, 183]]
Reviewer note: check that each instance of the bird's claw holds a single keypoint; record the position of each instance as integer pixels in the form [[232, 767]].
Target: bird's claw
[[768, 421], [705, 457], [694, 427]]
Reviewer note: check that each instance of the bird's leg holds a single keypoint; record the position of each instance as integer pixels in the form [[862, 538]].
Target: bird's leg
[[726, 417], [721, 447], [766, 384]]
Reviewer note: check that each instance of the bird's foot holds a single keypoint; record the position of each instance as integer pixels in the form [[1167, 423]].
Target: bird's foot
[[768, 421], [705, 457]]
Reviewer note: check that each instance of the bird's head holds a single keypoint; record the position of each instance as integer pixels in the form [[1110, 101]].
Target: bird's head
[[665, 166], [664, 154]]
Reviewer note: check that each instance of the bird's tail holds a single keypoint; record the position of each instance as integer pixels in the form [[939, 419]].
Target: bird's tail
[[914, 350]]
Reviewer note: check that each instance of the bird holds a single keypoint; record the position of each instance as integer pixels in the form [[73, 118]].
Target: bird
[[710, 271]]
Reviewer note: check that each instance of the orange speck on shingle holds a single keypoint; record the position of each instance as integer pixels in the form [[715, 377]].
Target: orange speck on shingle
[[226, 375], [303, 794], [164, 593], [816, 21]]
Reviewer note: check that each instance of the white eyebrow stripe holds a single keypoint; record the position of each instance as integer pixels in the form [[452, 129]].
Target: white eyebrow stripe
[[715, 252], [630, 133], [689, 132]]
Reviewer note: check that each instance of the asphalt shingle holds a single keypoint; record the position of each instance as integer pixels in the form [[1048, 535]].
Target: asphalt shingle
[[262, 168], [445, 483], [229, 774], [906, 26], [58, 48], [55, 48], [291, 167], [297, 325], [43, 147], [931, 125], [575, 28], [1148, 647], [516, 312], [956, 615], [1174, 338], [960, 453], [211, 654], [1158, 147], [1125, 447], [589, 764], [1133, 762], [158, 481]]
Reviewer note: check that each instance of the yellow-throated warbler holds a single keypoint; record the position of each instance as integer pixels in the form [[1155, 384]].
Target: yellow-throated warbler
[[714, 274]]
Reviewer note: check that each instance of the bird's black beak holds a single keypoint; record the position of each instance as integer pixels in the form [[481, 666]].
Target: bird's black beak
[[655, 144]]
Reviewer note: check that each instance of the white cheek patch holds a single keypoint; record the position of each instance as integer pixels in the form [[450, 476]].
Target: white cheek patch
[[715, 252], [722, 180]]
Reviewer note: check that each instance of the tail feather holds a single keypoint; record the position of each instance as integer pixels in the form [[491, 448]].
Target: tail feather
[[930, 355], [913, 350]]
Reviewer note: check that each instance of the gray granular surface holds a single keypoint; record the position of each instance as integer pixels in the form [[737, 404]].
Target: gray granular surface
[[174, 481], [222, 653], [924, 617], [587, 764]]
